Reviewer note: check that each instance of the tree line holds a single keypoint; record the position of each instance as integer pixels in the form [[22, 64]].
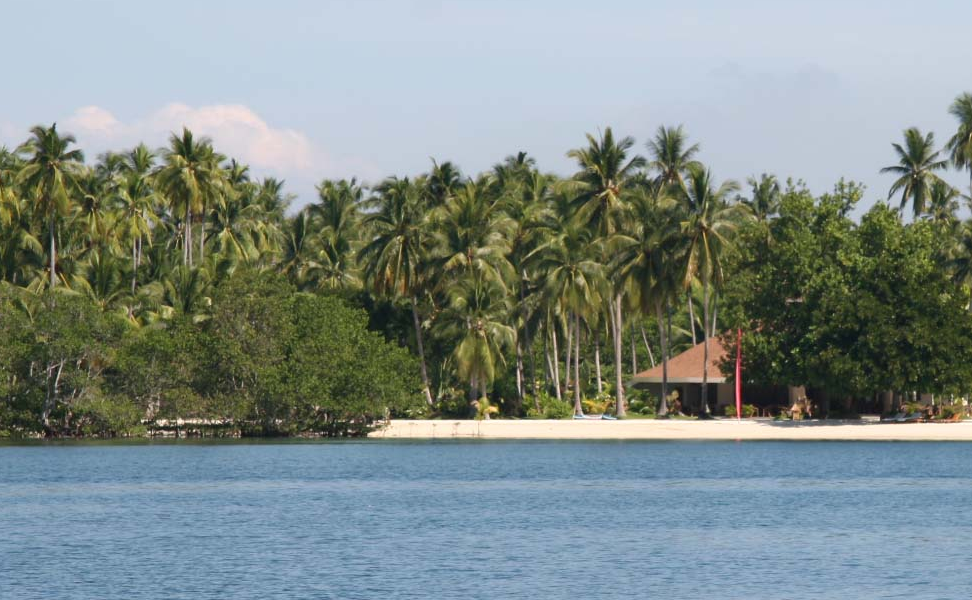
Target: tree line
[[514, 290]]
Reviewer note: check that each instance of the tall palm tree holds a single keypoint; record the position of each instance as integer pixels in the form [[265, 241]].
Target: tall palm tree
[[765, 197], [398, 249], [573, 279], [443, 181], [51, 174], [917, 163], [943, 203], [671, 155], [706, 226], [600, 186], [643, 261], [604, 170], [192, 179], [473, 231], [138, 201], [960, 144], [337, 216]]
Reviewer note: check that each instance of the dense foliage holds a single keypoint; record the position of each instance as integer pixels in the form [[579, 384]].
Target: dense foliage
[[157, 285]]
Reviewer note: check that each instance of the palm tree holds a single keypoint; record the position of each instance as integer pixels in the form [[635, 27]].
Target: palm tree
[[296, 252], [137, 200], [708, 222], [917, 163], [472, 231], [187, 292], [600, 183], [397, 250], [671, 155], [191, 178], [477, 314], [51, 174], [960, 263], [960, 144], [643, 261], [765, 200], [600, 186], [337, 217], [442, 183], [574, 280], [943, 203]]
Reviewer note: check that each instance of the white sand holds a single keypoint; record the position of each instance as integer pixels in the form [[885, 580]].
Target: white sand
[[643, 429]]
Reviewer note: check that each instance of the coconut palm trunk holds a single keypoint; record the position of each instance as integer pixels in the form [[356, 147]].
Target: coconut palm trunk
[[578, 407], [619, 378], [644, 338], [556, 362], [634, 352], [426, 390], [519, 372], [187, 239], [50, 231], [570, 348], [663, 401], [704, 407], [691, 309], [134, 263], [597, 360]]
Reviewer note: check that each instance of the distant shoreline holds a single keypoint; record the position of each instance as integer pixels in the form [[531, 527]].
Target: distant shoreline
[[645, 429]]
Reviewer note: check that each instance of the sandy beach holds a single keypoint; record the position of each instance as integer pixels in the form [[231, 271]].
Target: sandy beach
[[643, 429]]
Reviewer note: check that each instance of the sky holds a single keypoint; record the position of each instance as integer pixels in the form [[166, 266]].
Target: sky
[[305, 90]]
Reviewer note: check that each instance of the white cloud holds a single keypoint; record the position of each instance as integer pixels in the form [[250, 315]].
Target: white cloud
[[236, 130]]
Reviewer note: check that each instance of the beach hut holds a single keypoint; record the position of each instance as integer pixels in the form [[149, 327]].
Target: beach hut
[[685, 376]]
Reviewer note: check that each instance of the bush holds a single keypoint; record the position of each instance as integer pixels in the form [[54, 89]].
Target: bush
[[748, 411], [550, 407], [642, 402]]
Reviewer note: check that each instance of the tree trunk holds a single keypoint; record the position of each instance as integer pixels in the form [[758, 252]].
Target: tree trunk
[[597, 359], [704, 406], [50, 231], [644, 338], [715, 315], [570, 348], [691, 309], [187, 241], [202, 235], [528, 340], [519, 372], [619, 378], [556, 362], [578, 407], [663, 402], [421, 350], [634, 353], [134, 263]]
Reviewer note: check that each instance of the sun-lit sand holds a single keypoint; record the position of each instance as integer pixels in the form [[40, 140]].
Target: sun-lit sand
[[642, 429]]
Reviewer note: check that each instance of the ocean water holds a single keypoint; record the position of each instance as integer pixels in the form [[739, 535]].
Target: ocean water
[[538, 520]]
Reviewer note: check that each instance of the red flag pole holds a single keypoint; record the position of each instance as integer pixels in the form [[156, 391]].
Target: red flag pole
[[739, 374]]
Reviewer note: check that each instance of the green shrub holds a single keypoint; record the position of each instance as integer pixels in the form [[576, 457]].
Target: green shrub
[[550, 407], [748, 411]]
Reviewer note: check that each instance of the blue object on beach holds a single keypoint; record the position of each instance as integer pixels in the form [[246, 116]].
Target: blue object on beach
[[608, 417]]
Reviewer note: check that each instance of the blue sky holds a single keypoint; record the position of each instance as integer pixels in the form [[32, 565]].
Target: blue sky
[[306, 89]]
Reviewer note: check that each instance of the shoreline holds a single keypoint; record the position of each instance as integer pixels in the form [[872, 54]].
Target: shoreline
[[648, 429]]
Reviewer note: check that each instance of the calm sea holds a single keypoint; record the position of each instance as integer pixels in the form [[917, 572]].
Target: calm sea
[[538, 520]]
